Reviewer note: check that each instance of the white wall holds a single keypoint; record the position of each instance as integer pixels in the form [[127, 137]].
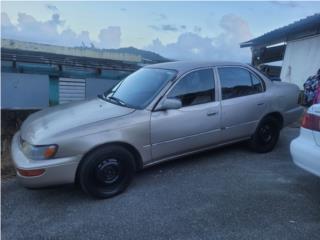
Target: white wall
[[301, 60]]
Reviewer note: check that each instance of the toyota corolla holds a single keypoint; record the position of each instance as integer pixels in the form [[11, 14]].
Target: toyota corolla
[[159, 112]]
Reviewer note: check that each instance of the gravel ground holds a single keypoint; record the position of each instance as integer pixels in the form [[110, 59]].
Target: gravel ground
[[229, 193]]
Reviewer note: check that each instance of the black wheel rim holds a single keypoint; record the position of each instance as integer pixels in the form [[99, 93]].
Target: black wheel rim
[[108, 172], [267, 133]]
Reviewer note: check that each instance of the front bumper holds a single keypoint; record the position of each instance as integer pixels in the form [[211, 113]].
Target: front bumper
[[57, 171], [306, 153]]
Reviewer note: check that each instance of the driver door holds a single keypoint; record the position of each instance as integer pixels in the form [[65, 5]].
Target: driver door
[[195, 125]]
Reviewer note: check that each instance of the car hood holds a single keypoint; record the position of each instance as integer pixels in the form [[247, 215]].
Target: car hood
[[49, 122]]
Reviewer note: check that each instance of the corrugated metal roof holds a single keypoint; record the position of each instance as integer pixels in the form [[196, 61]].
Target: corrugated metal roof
[[305, 27], [34, 57]]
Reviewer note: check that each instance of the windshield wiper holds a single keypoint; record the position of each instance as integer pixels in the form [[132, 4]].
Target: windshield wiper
[[101, 96], [114, 99], [119, 101]]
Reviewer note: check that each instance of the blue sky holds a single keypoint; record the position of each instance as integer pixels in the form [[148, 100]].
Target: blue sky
[[180, 30]]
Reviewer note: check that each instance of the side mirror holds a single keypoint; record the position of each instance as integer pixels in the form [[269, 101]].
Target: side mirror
[[169, 103]]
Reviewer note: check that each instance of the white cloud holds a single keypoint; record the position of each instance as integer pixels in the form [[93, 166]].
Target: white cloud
[[52, 8], [30, 29], [225, 46], [189, 45], [109, 37], [168, 27], [197, 29], [160, 16], [290, 4]]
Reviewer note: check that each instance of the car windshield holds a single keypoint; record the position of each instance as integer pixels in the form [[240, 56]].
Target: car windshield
[[140, 88]]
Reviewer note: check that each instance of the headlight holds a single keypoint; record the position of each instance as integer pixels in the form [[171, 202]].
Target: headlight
[[39, 152]]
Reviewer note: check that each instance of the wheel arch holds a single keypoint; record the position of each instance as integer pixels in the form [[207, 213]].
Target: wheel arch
[[277, 115]]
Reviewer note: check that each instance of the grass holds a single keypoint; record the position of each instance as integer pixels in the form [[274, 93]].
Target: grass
[[7, 169]]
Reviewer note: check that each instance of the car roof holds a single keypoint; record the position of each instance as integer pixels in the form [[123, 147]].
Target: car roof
[[185, 66]]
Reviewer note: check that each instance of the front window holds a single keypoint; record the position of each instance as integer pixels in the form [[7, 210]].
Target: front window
[[195, 88], [140, 88]]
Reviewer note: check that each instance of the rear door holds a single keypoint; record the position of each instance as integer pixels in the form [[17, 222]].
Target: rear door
[[243, 101]]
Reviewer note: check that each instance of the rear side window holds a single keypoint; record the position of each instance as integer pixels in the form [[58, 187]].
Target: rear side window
[[195, 88], [238, 82]]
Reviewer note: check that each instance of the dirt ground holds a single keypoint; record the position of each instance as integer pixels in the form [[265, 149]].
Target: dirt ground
[[10, 124], [7, 169]]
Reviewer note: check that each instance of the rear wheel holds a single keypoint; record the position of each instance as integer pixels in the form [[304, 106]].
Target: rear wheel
[[266, 135], [107, 171]]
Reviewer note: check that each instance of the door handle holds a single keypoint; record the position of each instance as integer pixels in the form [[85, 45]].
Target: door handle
[[260, 104], [212, 113]]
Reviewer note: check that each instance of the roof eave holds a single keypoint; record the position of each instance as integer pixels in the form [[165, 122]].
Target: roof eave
[[303, 28]]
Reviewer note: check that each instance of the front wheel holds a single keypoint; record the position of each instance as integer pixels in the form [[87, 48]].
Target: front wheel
[[266, 135], [106, 172]]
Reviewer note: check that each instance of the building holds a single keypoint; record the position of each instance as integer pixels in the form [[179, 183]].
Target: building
[[34, 76], [297, 45]]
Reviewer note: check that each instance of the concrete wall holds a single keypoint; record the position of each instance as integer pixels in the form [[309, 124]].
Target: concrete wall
[[32, 91], [24, 91], [301, 60]]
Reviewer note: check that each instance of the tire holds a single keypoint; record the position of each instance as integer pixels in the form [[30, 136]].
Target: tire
[[106, 172], [266, 135]]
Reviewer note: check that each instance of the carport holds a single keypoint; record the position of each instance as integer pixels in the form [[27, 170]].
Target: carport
[[297, 45]]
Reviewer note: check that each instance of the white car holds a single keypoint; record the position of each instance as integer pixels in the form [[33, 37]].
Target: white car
[[305, 149]]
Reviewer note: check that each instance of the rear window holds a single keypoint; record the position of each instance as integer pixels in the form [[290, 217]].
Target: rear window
[[238, 82]]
